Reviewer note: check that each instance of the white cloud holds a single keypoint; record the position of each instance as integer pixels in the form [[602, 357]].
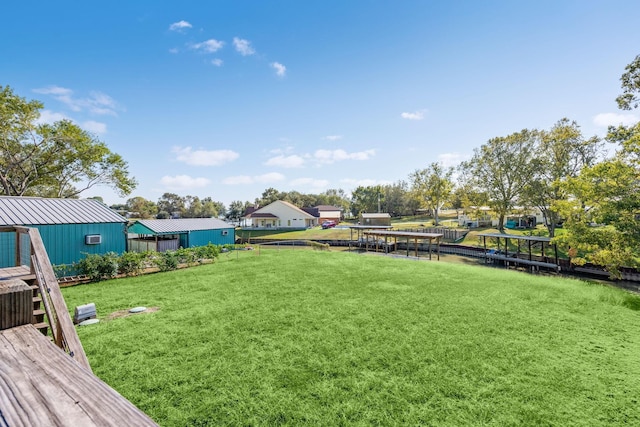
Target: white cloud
[[310, 182], [49, 117], [243, 46], [54, 90], [180, 26], [94, 127], [332, 156], [238, 180], [615, 119], [269, 177], [217, 62], [293, 161], [101, 103], [246, 179], [208, 46], [183, 182], [281, 70], [174, 50], [451, 159], [332, 137], [96, 103], [417, 115], [203, 157]]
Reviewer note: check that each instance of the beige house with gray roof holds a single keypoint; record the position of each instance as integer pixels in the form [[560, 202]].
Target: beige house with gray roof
[[279, 214]]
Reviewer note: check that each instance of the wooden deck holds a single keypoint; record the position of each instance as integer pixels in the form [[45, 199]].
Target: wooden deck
[[45, 376], [40, 385], [16, 272]]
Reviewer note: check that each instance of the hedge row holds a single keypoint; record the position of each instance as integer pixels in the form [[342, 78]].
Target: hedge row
[[107, 266]]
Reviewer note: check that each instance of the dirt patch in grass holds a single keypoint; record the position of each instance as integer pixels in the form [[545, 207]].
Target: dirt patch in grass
[[125, 313]]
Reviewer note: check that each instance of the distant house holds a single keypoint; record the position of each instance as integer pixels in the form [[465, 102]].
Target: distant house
[[170, 234], [375, 219], [325, 213], [279, 214], [70, 228]]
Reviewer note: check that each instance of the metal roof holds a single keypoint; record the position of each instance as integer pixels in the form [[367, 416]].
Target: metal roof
[[376, 215], [262, 215], [43, 211], [516, 236], [182, 225], [282, 202], [323, 208]]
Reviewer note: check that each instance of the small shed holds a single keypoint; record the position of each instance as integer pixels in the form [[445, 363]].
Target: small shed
[[375, 219], [70, 228], [170, 234]]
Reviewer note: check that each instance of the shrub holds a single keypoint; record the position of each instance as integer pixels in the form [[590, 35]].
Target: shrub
[[98, 267], [131, 263], [166, 261], [209, 251], [64, 270], [186, 256]]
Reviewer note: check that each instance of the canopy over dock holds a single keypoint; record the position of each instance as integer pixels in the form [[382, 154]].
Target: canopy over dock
[[523, 256], [408, 235]]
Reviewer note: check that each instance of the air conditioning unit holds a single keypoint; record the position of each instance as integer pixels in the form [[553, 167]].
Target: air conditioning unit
[[225, 232], [92, 239]]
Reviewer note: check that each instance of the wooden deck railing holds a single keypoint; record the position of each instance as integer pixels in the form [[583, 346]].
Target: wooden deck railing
[[31, 253]]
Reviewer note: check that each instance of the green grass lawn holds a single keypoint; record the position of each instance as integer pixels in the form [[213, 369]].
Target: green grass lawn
[[325, 338]]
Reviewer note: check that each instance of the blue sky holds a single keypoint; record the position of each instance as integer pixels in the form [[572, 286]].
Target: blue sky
[[228, 98]]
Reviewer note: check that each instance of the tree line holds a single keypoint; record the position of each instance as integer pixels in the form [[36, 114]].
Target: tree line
[[559, 171]]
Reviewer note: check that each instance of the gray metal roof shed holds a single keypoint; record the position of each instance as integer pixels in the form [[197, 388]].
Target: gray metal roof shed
[[43, 211], [176, 226], [70, 228]]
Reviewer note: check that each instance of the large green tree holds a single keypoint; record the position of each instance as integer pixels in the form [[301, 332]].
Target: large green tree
[[630, 80], [603, 213], [397, 200], [236, 210], [561, 154], [502, 168], [602, 217], [433, 186], [52, 160], [170, 205], [269, 196], [366, 199], [141, 207]]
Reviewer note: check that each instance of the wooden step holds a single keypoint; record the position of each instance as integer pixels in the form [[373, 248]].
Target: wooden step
[[36, 303], [35, 289], [28, 278], [38, 316], [42, 327]]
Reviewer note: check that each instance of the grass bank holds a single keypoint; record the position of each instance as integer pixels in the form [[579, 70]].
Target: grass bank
[[325, 338]]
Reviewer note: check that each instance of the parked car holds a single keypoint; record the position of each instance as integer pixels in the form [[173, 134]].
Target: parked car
[[328, 224]]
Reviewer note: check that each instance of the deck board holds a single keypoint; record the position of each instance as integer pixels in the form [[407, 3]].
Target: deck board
[[16, 272], [41, 385]]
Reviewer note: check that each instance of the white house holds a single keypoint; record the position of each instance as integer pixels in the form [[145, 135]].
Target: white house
[[279, 214]]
